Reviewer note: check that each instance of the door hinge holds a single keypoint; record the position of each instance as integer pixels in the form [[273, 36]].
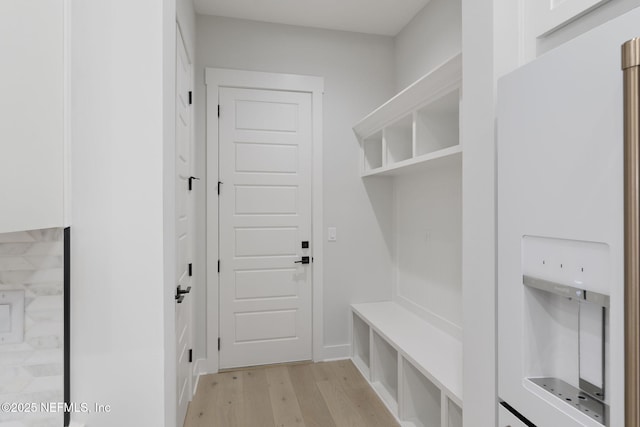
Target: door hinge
[[218, 110], [190, 355], [190, 97], [218, 343], [190, 269], [218, 266], [219, 184], [191, 179]]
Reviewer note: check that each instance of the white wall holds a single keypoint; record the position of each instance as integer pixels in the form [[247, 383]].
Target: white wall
[[428, 227], [359, 76], [122, 345], [433, 36], [186, 17], [478, 218]]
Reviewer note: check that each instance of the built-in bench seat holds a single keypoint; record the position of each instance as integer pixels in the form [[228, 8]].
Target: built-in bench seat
[[415, 367]]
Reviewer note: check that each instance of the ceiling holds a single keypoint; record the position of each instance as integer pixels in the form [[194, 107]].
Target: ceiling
[[385, 17]]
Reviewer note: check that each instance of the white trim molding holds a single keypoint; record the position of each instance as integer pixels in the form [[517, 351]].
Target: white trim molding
[[549, 15], [216, 78]]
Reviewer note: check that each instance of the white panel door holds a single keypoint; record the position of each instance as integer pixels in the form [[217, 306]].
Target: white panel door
[[184, 237], [265, 215]]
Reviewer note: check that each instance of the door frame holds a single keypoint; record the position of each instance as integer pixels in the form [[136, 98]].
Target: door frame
[[215, 78]]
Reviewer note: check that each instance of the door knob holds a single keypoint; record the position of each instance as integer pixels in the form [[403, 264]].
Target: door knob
[[304, 260]]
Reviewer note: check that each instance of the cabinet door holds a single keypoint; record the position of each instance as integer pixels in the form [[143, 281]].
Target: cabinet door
[[31, 114], [547, 16]]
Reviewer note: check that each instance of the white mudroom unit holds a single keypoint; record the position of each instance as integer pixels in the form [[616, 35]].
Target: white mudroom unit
[[410, 347]]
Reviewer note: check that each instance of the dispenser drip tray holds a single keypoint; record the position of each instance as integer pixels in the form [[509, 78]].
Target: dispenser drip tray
[[575, 397]]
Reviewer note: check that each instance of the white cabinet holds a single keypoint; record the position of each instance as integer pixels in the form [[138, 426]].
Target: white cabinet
[[547, 16], [32, 114]]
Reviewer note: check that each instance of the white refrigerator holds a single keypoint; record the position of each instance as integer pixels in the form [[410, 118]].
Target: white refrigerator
[[561, 234]]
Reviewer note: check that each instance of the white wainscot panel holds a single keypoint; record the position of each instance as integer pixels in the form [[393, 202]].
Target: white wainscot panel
[[264, 200], [266, 283], [259, 157], [269, 116], [268, 325], [266, 241]]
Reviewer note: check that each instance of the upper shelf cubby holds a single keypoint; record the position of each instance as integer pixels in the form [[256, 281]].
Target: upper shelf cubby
[[417, 127]]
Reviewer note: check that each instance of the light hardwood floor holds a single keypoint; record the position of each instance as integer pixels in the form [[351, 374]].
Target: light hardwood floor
[[310, 394]]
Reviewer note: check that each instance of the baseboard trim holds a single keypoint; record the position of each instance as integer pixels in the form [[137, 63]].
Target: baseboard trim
[[204, 367], [335, 352], [329, 353]]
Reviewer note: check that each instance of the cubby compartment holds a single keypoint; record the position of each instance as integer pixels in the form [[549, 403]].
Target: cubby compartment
[[385, 371], [420, 398], [399, 140], [372, 147], [438, 124], [454, 413], [361, 357]]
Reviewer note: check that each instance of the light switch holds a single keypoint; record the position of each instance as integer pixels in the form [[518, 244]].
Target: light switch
[[5, 318], [333, 234]]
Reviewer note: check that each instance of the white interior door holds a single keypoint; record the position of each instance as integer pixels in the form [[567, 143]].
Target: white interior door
[[184, 233], [265, 216]]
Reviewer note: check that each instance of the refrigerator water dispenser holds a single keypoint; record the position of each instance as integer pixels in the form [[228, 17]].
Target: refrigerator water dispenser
[[566, 321]]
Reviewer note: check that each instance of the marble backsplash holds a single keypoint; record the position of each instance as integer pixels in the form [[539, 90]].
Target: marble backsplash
[[32, 371]]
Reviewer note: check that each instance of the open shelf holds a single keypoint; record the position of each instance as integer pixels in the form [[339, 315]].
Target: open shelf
[[361, 345], [438, 124], [399, 140], [416, 127], [454, 414], [372, 148], [446, 156], [384, 372], [421, 399]]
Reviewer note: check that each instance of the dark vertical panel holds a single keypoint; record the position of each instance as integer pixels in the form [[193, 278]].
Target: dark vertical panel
[[67, 323]]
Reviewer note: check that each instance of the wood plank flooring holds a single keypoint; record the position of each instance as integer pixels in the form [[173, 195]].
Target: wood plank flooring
[[329, 394]]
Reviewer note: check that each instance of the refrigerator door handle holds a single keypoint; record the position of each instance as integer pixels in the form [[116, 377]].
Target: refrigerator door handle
[[631, 72]]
